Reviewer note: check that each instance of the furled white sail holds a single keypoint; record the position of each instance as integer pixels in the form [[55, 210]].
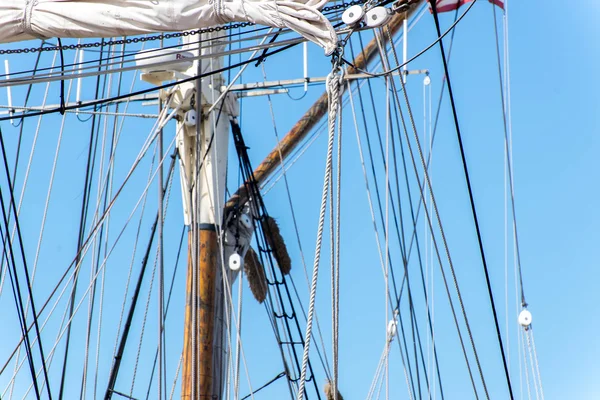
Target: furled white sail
[[30, 19]]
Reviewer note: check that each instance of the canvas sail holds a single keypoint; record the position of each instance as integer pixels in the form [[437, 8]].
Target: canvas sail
[[29, 19]]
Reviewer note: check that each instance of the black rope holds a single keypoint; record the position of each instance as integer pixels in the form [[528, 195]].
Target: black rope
[[167, 306], [17, 297], [87, 187], [429, 222], [281, 375], [392, 202], [21, 127], [112, 380], [26, 114], [62, 81], [22, 248], [509, 165], [254, 195], [471, 199]]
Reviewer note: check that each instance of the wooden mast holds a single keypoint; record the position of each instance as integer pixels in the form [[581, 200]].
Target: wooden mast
[[316, 112], [202, 142], [201, 342], [200, 379]]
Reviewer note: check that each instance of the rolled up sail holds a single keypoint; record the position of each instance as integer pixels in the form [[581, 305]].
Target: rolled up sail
[[29, 19]]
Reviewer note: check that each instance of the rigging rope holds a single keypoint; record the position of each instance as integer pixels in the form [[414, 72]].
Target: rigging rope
[[537, 364], [27, 278], [472, 201], [323, 355], [334, 82]]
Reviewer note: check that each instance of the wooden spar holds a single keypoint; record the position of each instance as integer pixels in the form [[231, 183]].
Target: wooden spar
[[314, 114], [204, 303]]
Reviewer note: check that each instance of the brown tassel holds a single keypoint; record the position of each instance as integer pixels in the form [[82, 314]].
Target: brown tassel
[[255, 274], [276, 243], [329, 392]]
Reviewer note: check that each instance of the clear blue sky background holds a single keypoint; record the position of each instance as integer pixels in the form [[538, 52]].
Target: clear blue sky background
[[555, 142]]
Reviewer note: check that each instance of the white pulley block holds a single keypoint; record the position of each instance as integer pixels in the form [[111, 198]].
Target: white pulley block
[[235, 262], [525, 318], [427, 81], [391, 328], [246, 221], [189, 118], [353, 15], [377, 16]]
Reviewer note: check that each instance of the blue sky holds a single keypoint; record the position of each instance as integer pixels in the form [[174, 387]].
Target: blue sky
[[554, 121]]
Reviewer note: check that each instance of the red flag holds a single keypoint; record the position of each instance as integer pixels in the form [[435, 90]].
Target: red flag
[[449, 5]]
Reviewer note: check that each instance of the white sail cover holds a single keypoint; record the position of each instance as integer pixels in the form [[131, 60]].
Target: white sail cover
[[30, 19]]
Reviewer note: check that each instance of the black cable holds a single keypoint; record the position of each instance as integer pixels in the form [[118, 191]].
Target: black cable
[[27, 278], [254, 194], [167, 306], [281, 375], [62, 81], [114, 371], [509, 166], [26, 114], [87, 187], [17, 297], [419, 54], [21, 127], [377, 192], [473, 210]]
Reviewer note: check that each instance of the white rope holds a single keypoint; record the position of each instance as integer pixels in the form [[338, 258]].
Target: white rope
[[176, 376], [537, 364], [336, 256], [387, 212], [377, 376], [76, 269], [28, 169], [46, 207], [368, 189], [533, 361], [85, 294], [297, 231], [334, 81], [25, 181], [522, 333], [236, 385]]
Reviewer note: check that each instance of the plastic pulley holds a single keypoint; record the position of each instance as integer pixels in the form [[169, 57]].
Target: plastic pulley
[[353, 15], [246, 221], [235, 262], [190, 118], [376, 17], [525, 318], [391, 328]]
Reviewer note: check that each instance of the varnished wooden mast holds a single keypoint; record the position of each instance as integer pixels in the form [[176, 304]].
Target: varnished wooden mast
[[199, 337], [204, 197], [317, 111], [204, 303]]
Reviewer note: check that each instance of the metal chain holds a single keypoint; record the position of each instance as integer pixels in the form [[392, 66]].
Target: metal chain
[[161, 36]]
